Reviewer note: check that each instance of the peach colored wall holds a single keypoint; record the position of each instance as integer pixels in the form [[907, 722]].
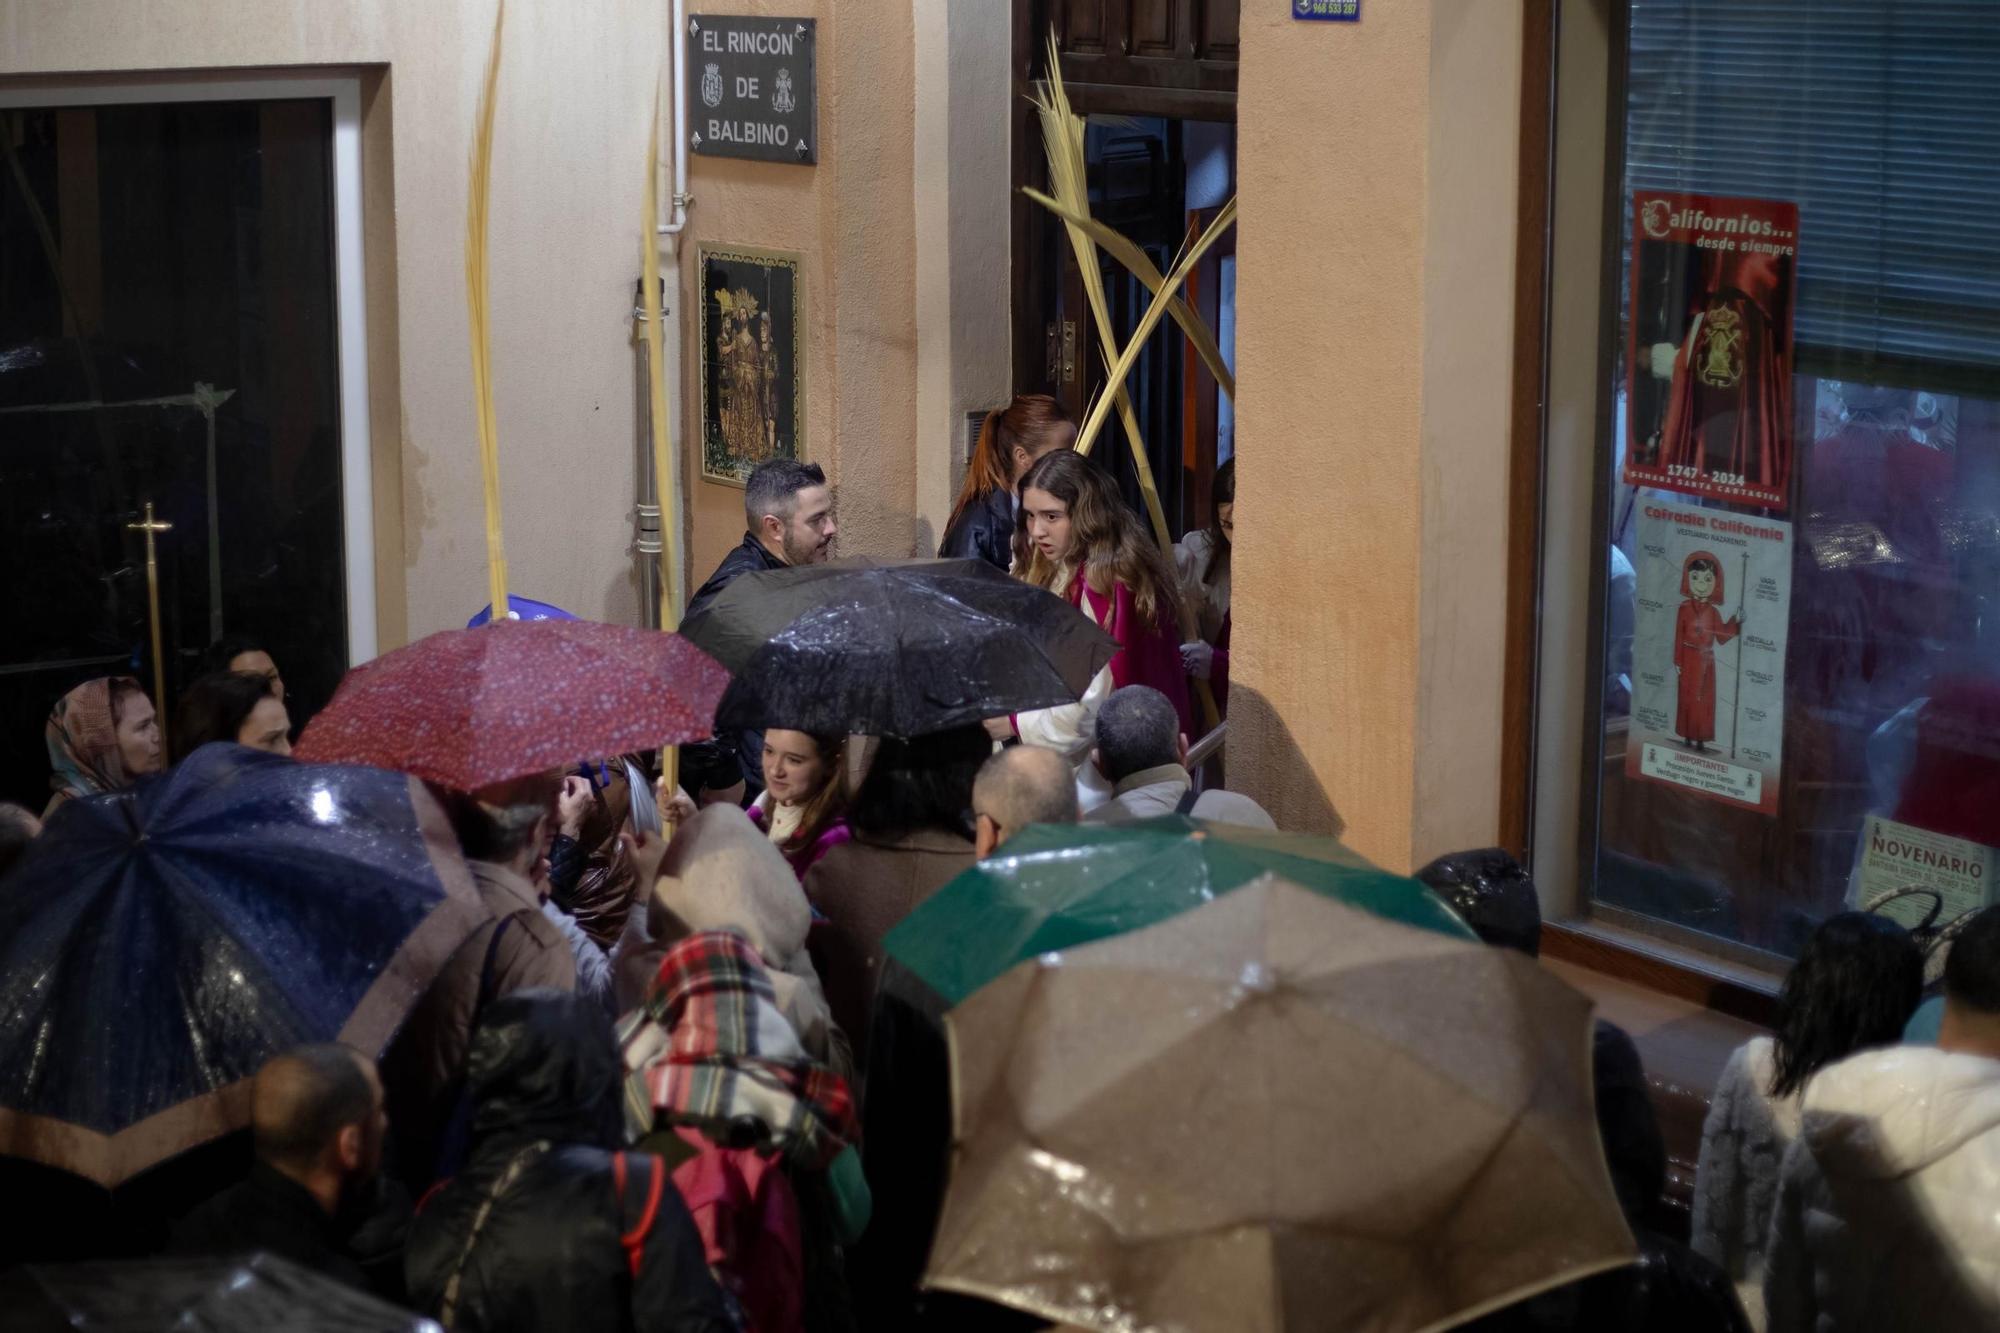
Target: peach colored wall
[[852, 221], [1374, 293]]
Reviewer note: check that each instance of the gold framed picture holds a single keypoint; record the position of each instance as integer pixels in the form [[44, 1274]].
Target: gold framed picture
[[753, 405]]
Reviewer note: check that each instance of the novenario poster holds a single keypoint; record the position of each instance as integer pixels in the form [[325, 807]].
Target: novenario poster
[[1709, 366], [1711, 606]]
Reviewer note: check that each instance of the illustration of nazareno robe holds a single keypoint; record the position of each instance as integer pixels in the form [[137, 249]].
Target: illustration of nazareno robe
[[1729, 406], [1698, 627]]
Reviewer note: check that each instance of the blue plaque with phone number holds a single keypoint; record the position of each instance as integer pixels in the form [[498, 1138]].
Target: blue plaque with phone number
[[1328, 11]]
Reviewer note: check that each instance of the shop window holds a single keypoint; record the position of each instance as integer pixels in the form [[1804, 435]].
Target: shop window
[[1792, 624]]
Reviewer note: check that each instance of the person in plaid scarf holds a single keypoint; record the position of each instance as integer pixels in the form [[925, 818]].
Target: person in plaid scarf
[[710, 1049]]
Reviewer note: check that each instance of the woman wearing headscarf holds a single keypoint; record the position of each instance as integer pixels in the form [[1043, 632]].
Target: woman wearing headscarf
[[103, 736]]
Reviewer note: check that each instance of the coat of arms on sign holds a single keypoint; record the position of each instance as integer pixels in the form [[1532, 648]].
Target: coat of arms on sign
[[711, 85], [781, 92]]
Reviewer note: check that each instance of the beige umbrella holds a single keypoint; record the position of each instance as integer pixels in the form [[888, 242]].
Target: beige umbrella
[[1274, 1112]]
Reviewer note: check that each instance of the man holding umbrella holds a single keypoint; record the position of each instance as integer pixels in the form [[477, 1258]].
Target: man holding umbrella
[[788, 520]]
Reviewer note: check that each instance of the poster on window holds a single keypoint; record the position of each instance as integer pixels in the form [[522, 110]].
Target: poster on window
[[1901, 856], [1713, 595], [1709, 366]]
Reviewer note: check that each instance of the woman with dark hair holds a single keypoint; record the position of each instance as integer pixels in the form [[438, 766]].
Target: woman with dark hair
[[803, 805], [102, 736], [1010, 440], [1086, 545], [1854, 986], [244, 652], [1202, 559], [238, 706], [912, 823]]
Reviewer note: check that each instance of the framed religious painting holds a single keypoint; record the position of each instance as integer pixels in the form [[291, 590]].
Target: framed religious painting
[[753, 406]]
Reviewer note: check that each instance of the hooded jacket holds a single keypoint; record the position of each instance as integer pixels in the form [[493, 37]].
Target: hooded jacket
[[1888, 1212], [721, 873], [547, 1255]]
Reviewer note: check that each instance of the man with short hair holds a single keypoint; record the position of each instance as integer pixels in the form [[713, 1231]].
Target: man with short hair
[[317, 1121], [788, 514], [1886, 1216], [1142, 752], [1019, 786], [503, 830]]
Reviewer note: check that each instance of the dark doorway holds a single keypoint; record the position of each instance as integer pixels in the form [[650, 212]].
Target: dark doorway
[[167, 335], [1156, 80]]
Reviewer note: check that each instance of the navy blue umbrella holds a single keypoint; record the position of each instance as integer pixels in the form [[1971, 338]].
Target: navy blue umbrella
[[158, 945]]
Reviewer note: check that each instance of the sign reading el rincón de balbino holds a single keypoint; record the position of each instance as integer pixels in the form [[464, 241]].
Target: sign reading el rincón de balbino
[[750, 88]]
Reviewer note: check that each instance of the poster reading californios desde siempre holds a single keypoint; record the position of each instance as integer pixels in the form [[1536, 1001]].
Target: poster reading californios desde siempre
[[1708, 652], [1709, 366]]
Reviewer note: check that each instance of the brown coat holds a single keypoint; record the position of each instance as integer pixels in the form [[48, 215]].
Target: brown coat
[[421, 1070], [864, 888]]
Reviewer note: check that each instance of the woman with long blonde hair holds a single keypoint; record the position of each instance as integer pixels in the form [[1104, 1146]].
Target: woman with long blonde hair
[[1077, 538], [1011, 439]]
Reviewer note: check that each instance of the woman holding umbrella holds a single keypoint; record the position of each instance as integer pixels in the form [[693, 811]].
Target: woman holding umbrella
[[1086, 545]]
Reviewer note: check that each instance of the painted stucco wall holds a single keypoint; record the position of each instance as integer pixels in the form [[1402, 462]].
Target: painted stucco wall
[[569, 167], [1374, 291], [568, 171]]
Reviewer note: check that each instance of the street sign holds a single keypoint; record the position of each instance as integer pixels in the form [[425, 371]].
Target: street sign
[[750, 88]]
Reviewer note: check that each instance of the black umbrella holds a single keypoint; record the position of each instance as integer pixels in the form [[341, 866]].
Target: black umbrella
[[254, 1293], [900, 648], [158, 945]]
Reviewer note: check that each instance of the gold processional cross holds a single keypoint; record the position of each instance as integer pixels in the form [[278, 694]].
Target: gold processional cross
[[151, 527]]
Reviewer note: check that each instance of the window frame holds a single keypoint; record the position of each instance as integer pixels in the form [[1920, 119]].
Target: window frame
[[350, 281], [1572, 168]]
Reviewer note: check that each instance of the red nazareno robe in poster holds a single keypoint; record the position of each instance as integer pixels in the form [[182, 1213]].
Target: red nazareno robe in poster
[[1709, 389], [1698, 627]]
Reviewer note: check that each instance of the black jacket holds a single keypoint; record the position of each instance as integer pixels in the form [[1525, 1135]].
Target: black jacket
[[748, 557], [747, 746], [272, 1212], [546, 1079], [983, 530]]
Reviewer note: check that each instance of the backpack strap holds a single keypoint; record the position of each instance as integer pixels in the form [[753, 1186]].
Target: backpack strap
[[448, 1311], [633, 1238], [455, 1141], [1188, 798]]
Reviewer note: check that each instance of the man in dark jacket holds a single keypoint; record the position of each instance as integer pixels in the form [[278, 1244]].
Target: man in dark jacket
[[788, 516], [548, 1228], [317, 1120]]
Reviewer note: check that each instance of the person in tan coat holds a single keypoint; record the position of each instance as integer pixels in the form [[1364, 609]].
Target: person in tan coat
[[721, 872], [503, 831], [912, 826]]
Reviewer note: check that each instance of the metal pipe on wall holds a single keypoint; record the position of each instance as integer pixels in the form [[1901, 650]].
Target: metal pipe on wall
[[647, 543], [646, 532]]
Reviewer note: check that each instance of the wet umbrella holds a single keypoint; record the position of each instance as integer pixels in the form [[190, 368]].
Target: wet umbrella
[[255, 1294], [157, 945], [470, 707], [1275, 1112], [1055, 887], [902, 648]]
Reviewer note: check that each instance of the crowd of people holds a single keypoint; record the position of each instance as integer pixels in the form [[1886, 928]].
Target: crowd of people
[[677, 1082]]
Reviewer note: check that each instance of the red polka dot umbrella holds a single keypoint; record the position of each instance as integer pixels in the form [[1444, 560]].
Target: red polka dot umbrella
[[470, 707]]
